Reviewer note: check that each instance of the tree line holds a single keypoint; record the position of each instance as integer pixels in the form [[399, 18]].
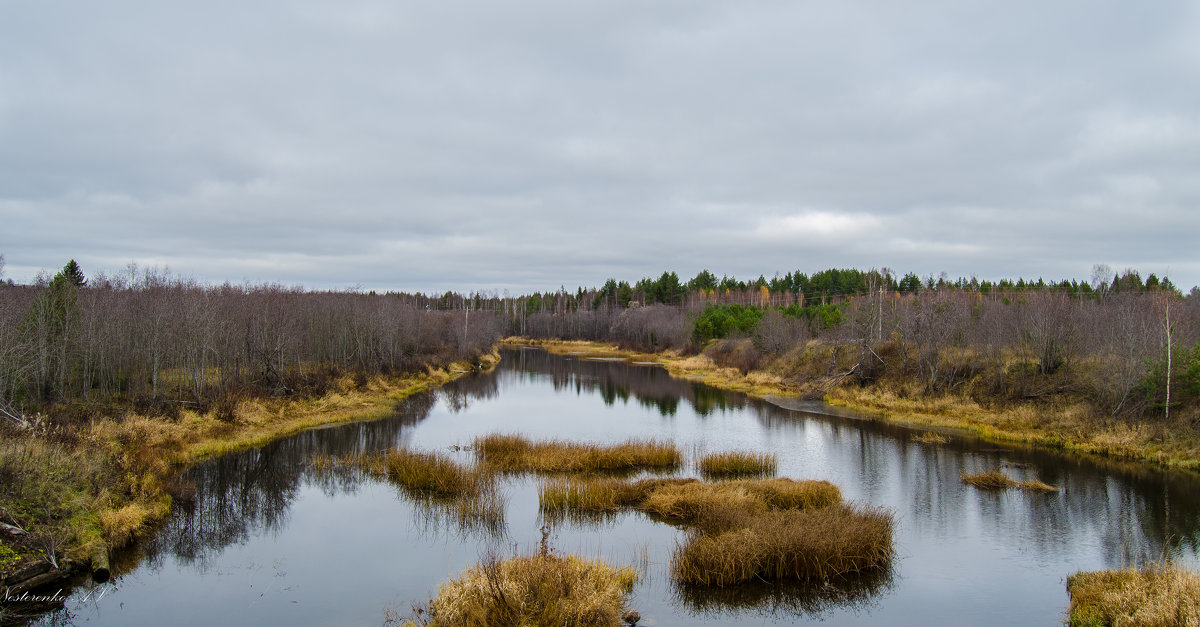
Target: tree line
[[161, 342]]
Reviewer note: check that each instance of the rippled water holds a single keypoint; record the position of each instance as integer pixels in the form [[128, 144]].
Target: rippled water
[[265, 541]]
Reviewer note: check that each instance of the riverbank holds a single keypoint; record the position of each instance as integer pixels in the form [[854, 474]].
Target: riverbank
[[69, 497], [1058, 423]]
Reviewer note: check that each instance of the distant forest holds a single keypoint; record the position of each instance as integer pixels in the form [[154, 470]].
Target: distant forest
[[73, 345]]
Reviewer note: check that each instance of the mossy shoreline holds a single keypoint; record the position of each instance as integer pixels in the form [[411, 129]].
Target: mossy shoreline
[[1051, 424]]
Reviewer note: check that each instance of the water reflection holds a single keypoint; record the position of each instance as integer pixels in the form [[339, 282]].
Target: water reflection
[[778, 600], [650, 386], [242, 495], [955, 542]]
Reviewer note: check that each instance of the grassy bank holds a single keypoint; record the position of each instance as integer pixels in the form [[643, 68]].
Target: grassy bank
[[1058, 421], [79, 492]]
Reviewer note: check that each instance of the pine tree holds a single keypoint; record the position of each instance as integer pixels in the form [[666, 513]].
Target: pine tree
[[72, 273]]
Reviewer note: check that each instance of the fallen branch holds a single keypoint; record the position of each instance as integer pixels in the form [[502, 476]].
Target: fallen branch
[[18, 419]]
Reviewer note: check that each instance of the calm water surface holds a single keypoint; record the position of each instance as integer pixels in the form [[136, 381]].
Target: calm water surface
[[267, 542]]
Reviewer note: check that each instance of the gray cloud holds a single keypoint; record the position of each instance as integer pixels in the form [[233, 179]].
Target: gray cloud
[[470, 145]]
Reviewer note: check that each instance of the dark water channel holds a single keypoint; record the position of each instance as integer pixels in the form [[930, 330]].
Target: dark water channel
[[265, 541]]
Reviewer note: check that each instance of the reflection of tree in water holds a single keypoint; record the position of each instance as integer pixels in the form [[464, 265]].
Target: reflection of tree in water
[[776, 600], [1137, 513], [457, 395], [650, 386], [243, 494]]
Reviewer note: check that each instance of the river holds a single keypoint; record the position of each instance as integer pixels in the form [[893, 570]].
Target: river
[[265, 540]]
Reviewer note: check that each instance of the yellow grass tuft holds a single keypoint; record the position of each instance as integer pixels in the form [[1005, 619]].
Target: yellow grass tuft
[[690, 502], [511, 453], [997, 480], [929, 437], [786, 545], [737, 464], [1154, 596], [544, 590]]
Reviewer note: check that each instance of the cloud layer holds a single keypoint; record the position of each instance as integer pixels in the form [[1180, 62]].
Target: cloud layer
[[475, 145]]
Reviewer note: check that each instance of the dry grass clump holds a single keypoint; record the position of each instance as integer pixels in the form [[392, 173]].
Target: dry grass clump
[[595, 499], [432, 473], [737, 464], [690, 502], [746, 530], [437, 484], [997, 480], [534, 591], [929, 437], [1154, 596], [782, 545], [511, 453], [681, 500]]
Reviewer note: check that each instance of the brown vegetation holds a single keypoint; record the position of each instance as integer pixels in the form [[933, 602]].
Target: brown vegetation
[[542, 590], [749, 530], [805, 545], [1152, 596], [734, 464], [441, 487], [512, 453], [997, 480]]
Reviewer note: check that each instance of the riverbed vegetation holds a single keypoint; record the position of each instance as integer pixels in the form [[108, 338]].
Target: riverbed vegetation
[[741, 531], [111, 383], [1156, 595], [540, 590], [733, 464], [997, 480], [517, 454]]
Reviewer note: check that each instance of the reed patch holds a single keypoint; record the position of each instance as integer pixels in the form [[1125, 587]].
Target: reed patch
[[515, 454], [740, 531], [997, 480], [1156, 596], [736, 464], [541, 590], [441, 487], [785, 545], [929, 437]]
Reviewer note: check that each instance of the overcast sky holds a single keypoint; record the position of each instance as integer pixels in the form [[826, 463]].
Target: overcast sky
[[480, 145]]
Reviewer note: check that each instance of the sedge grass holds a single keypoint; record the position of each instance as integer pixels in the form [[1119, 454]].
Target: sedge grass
[[514, 454], [595, 499], [1154, 596], [690, 502], [997, 480], [541, 590], [929, 437], [442, 489], [734, 464], [786, 545]]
